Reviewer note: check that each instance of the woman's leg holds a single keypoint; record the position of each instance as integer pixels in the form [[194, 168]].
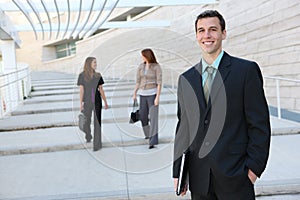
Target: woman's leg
[[87, 111], [144, 112], [97, 142], [153, 110]]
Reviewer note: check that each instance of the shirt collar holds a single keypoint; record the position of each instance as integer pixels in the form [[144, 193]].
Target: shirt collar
[[215, 64]]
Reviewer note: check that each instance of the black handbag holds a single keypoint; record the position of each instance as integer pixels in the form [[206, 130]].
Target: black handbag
[[134, 115], [81, 121]]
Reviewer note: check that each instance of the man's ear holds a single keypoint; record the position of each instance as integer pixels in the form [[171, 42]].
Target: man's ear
[[224, 34]]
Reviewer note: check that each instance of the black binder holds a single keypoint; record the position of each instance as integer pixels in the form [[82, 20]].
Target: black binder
[[183, 174]]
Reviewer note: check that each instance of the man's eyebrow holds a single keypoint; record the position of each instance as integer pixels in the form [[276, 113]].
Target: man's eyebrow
[[213, 27], [200, 28]]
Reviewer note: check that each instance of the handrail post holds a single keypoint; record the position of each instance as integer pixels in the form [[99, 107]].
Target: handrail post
[[172, 77], [278, 99], [1, 105]]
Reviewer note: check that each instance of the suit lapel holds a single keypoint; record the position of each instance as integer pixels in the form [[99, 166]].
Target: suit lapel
[[195, 80]]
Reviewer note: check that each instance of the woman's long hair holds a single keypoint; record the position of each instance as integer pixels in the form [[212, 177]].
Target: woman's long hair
[[89, 72], [149, 55]]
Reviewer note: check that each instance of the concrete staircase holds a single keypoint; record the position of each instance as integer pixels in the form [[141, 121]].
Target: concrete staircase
[[48, 120], [45, 156]]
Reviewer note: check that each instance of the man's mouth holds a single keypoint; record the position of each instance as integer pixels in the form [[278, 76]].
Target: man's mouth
[[208, 42]]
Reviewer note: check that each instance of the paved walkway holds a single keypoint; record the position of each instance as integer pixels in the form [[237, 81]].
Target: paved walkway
[[43, 155]]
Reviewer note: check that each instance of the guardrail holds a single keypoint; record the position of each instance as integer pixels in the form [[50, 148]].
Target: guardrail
[[15, 86], [278, 80]]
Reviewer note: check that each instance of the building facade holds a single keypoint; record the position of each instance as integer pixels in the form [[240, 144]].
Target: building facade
[[264, 31]]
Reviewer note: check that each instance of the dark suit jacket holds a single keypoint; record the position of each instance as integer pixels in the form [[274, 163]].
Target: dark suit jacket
[[229, 135]]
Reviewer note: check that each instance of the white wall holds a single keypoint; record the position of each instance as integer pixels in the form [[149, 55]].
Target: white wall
[[266, 31]]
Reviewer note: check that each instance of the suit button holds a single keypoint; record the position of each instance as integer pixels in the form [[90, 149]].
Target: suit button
[[206, 121], [207, 143]]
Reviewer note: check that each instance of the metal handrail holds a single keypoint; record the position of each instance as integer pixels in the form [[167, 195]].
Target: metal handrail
[[13, 72], [14, 87], [282, 79], [278, 79], [19, 79]]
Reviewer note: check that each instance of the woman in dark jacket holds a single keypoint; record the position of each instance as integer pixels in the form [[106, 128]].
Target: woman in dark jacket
[[91, 94]]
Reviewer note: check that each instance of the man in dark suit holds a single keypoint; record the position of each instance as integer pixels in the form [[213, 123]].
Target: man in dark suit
[[223, 119]]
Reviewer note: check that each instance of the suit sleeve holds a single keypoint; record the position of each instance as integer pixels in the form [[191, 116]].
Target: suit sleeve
[[257, 116], [181, 135]]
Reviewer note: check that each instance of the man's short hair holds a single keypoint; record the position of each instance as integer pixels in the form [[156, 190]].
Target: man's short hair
[[211, 13]]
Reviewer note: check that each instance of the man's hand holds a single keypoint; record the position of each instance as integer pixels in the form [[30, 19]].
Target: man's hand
[[175, 187], [252, 176]]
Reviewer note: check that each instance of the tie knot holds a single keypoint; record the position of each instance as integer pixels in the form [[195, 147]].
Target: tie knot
[[210, 69]]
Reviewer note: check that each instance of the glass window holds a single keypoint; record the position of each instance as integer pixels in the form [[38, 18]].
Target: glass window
[[72, 48], [64, 50]]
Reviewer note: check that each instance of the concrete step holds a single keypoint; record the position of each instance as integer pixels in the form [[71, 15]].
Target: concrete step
[[121, 172], [70, 104], [75, 97], [72, 85], [73, 81], [56, 163], [110, 91], [119, 134], [65, 106], [70, 118]]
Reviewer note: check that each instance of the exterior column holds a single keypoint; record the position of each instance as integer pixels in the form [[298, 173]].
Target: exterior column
[[10, 94], [9, 61]]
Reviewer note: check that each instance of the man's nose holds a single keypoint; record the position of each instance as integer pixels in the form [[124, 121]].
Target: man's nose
[[207, 33]]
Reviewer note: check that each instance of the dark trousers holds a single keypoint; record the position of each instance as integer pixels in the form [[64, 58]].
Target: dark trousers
[[88, 109], [245, 192], [147, 108]]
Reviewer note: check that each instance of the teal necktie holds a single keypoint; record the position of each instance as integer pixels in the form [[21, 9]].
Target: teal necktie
[[208, 82]]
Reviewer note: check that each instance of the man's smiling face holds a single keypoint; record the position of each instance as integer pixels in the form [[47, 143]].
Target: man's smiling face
[[210, 35]]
